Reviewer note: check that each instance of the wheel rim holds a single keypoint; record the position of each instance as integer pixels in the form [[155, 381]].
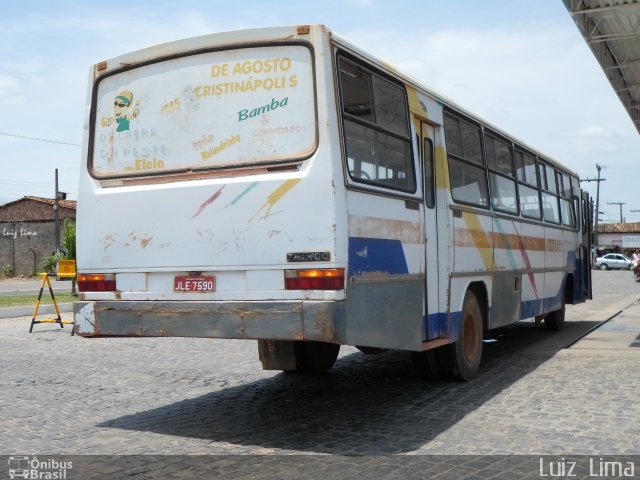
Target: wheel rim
[[470, 338]]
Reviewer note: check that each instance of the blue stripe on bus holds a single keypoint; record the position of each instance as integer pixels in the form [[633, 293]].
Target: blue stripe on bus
[[532, 308], [376, 255], [436, 325]]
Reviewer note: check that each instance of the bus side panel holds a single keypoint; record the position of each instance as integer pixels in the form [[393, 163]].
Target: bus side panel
[[533, 255], [473, 262], [554, 264], [385, 292], [507, 279], [473, 242]]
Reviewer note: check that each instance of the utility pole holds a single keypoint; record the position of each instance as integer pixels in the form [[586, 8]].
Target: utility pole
[[56, 212], [597, 212], [620, 204]]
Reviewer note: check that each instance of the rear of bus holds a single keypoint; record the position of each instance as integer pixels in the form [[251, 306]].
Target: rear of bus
[[207, 200]]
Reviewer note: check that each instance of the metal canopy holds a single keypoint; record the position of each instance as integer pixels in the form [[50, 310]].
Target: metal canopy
[[612, 30]]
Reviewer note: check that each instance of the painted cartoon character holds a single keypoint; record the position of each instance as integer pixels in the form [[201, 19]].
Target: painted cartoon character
[[124, 111]]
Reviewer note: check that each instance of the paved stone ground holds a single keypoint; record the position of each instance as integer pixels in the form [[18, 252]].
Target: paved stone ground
[[174, 396]]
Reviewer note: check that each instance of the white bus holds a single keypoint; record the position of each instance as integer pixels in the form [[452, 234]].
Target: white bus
[[282, 185]]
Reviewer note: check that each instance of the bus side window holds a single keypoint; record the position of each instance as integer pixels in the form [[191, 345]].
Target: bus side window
[[528, 189], [502, 182], [549, 194], [566, 205], [466, 170], [376, 129]]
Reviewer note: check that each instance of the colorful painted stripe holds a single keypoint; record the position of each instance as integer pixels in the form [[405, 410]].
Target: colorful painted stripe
[[376, 255], [383, 228], [478, 238]]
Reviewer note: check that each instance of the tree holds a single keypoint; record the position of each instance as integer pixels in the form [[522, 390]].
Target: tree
[[68, 252]]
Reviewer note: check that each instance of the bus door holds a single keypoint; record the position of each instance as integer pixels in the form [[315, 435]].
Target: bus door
[[426, 137], [585, 244]]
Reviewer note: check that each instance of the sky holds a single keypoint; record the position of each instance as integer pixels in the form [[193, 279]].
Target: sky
[[521, 65]]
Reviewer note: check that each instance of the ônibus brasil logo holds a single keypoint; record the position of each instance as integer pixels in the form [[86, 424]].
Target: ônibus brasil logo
[[34, 469]]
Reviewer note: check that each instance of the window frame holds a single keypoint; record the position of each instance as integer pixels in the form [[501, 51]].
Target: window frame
[[188, 173], [569, 198], [344, 117], [460, 159], [544, 165], [525, 183], [498, 174]]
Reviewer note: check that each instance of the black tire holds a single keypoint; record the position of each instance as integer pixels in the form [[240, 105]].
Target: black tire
[[315, 357], [604, 266], [555, 320], [371, 350], [428, 364], [461, 360]]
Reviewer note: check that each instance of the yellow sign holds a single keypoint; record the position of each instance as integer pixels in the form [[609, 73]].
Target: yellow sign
[[66, 268]]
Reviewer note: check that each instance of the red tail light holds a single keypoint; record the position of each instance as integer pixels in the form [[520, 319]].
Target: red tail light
[[97, 282], [317, 279]]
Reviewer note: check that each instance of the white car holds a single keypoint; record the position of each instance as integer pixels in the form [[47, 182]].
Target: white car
[[614, 260]]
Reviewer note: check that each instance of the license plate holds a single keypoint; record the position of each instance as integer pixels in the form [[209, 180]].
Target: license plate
[[185, 283]]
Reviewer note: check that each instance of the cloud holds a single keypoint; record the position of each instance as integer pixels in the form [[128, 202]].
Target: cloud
[[110, 33], [10, 90], [594, 139], [594, 131]]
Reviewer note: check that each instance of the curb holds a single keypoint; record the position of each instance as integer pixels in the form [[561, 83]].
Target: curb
[[27, 311]]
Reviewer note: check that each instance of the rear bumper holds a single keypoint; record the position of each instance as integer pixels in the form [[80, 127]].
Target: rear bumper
[[285, 320]]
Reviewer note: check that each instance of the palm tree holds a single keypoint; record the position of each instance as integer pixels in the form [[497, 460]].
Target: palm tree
[[68, 252]]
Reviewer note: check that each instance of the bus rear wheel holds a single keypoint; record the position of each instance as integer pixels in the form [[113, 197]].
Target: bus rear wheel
[[315, 357], [462, 358]]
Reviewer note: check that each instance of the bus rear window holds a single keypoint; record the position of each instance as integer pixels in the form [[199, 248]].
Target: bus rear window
[[208, 110]]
